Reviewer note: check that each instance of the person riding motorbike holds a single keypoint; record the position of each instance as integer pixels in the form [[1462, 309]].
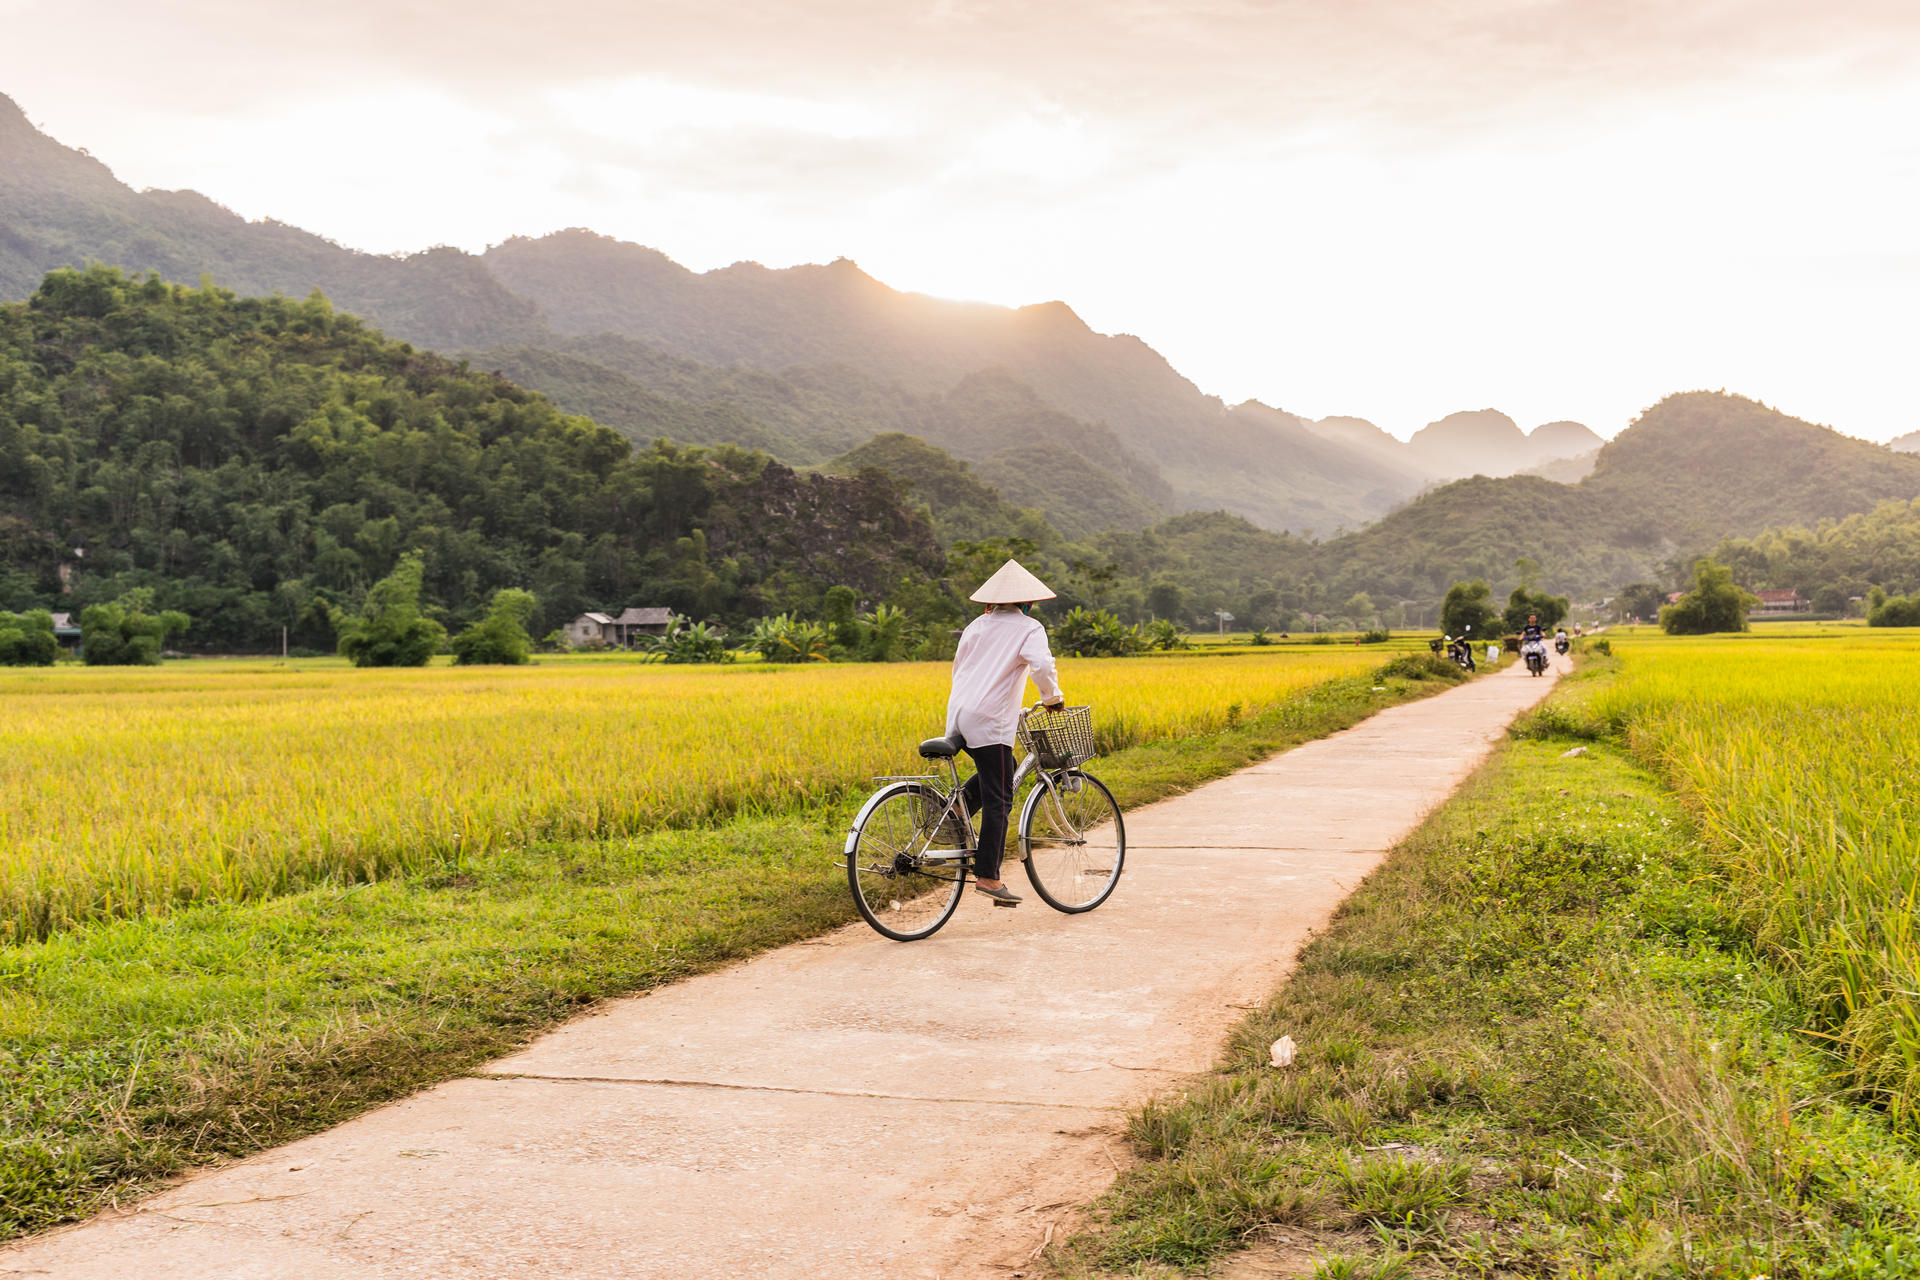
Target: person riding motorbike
[[1533, 640], [1560, 641]]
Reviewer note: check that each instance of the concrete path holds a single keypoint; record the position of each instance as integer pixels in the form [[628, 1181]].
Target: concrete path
[[847, 1107]]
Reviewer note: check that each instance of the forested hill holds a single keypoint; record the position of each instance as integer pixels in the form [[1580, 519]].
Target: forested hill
[[60, 207], [1691, 470], [255, 460], [808, 362]]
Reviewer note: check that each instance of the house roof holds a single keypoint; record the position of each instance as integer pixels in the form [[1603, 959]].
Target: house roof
[[599, 619], [644, 617]]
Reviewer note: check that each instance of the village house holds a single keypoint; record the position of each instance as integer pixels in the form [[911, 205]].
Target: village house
[[1779, 604], [618, 632], [66, 630]]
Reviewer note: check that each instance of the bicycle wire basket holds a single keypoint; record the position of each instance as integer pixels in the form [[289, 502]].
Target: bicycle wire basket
[[1058, 739]]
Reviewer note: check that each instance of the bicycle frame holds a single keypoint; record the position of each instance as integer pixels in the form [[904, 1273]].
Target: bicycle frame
[[953, 802]]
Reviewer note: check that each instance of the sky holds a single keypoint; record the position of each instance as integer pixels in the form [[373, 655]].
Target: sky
[[1389, 208]]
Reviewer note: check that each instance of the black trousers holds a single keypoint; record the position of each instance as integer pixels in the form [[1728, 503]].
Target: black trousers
[[989, 793]]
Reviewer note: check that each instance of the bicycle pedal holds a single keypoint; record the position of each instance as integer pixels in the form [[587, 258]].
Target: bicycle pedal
[[998, 903]]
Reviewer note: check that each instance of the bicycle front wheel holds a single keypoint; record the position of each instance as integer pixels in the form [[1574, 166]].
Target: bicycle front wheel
[[903, 894], [1074, 840]]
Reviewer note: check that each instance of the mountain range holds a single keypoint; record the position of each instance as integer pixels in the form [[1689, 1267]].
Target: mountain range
[[1096, 430], [1020, 421]]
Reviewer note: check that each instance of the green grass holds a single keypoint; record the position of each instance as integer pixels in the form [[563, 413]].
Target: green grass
[[1535, 1043], [139, 1047]]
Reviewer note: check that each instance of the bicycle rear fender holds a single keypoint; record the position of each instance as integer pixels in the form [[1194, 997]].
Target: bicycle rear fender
[[873, 800]]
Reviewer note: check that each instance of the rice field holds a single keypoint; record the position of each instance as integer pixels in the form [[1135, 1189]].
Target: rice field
[[1800, 755], [126, 790]]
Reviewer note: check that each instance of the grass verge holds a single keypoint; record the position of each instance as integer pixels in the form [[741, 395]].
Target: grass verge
[[133, 1049], [1534, 1043]]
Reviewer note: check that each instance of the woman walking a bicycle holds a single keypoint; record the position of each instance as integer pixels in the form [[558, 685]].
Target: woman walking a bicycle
[[997, 652]]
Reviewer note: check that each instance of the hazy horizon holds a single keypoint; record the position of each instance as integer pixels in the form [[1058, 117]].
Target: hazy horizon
[[1389, 209]]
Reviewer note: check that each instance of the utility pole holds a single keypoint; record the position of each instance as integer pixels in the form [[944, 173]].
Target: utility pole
[[1225, 618]]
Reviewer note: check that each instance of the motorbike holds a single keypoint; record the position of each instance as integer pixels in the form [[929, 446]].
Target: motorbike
[[1535, 652], [1561, 644], [1460, 652]]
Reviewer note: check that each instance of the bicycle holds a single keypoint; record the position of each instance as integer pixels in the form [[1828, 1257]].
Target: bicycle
[[911, 849]]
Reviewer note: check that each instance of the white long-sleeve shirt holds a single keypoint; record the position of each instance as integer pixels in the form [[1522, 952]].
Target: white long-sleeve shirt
[[997, 651]]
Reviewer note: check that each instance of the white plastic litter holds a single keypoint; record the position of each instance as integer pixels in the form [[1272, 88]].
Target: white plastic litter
[[1577, 751], [1283, 1051]]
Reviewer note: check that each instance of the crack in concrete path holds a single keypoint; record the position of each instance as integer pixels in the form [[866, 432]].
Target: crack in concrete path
[[825, 1093], [847, 1107]]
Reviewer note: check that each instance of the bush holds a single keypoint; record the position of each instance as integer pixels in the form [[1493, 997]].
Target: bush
[[688, 643], [1167, 634], [389, 630], [124, 634], [1422, 666], [1260, 636], [500, 639], [785, 638], [1095, 633], [1896, 611], [27, 639], [1376, 636], [1714, 604]]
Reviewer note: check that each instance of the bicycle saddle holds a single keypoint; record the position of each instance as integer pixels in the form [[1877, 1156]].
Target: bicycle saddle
[[942, 748]]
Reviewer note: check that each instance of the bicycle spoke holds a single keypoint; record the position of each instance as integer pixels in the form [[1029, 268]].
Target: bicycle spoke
[[899, 894], [1074, 840]]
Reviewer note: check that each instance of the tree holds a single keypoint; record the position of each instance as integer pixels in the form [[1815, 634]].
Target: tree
[[1716, 603], [837, 611], [1360, 608], [1549, 609], [1167, 600], [886, 633], [500, 638], [1831, 600], [389, 630], [1640, 600], [27, 639], [1468, 609], [125, 634]]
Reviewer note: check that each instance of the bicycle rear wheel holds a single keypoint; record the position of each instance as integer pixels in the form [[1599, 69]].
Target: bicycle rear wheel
[[902, 894], [1074, 840]]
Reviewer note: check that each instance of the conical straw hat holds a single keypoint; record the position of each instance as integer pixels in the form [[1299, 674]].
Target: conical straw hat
[[1012, 584]]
